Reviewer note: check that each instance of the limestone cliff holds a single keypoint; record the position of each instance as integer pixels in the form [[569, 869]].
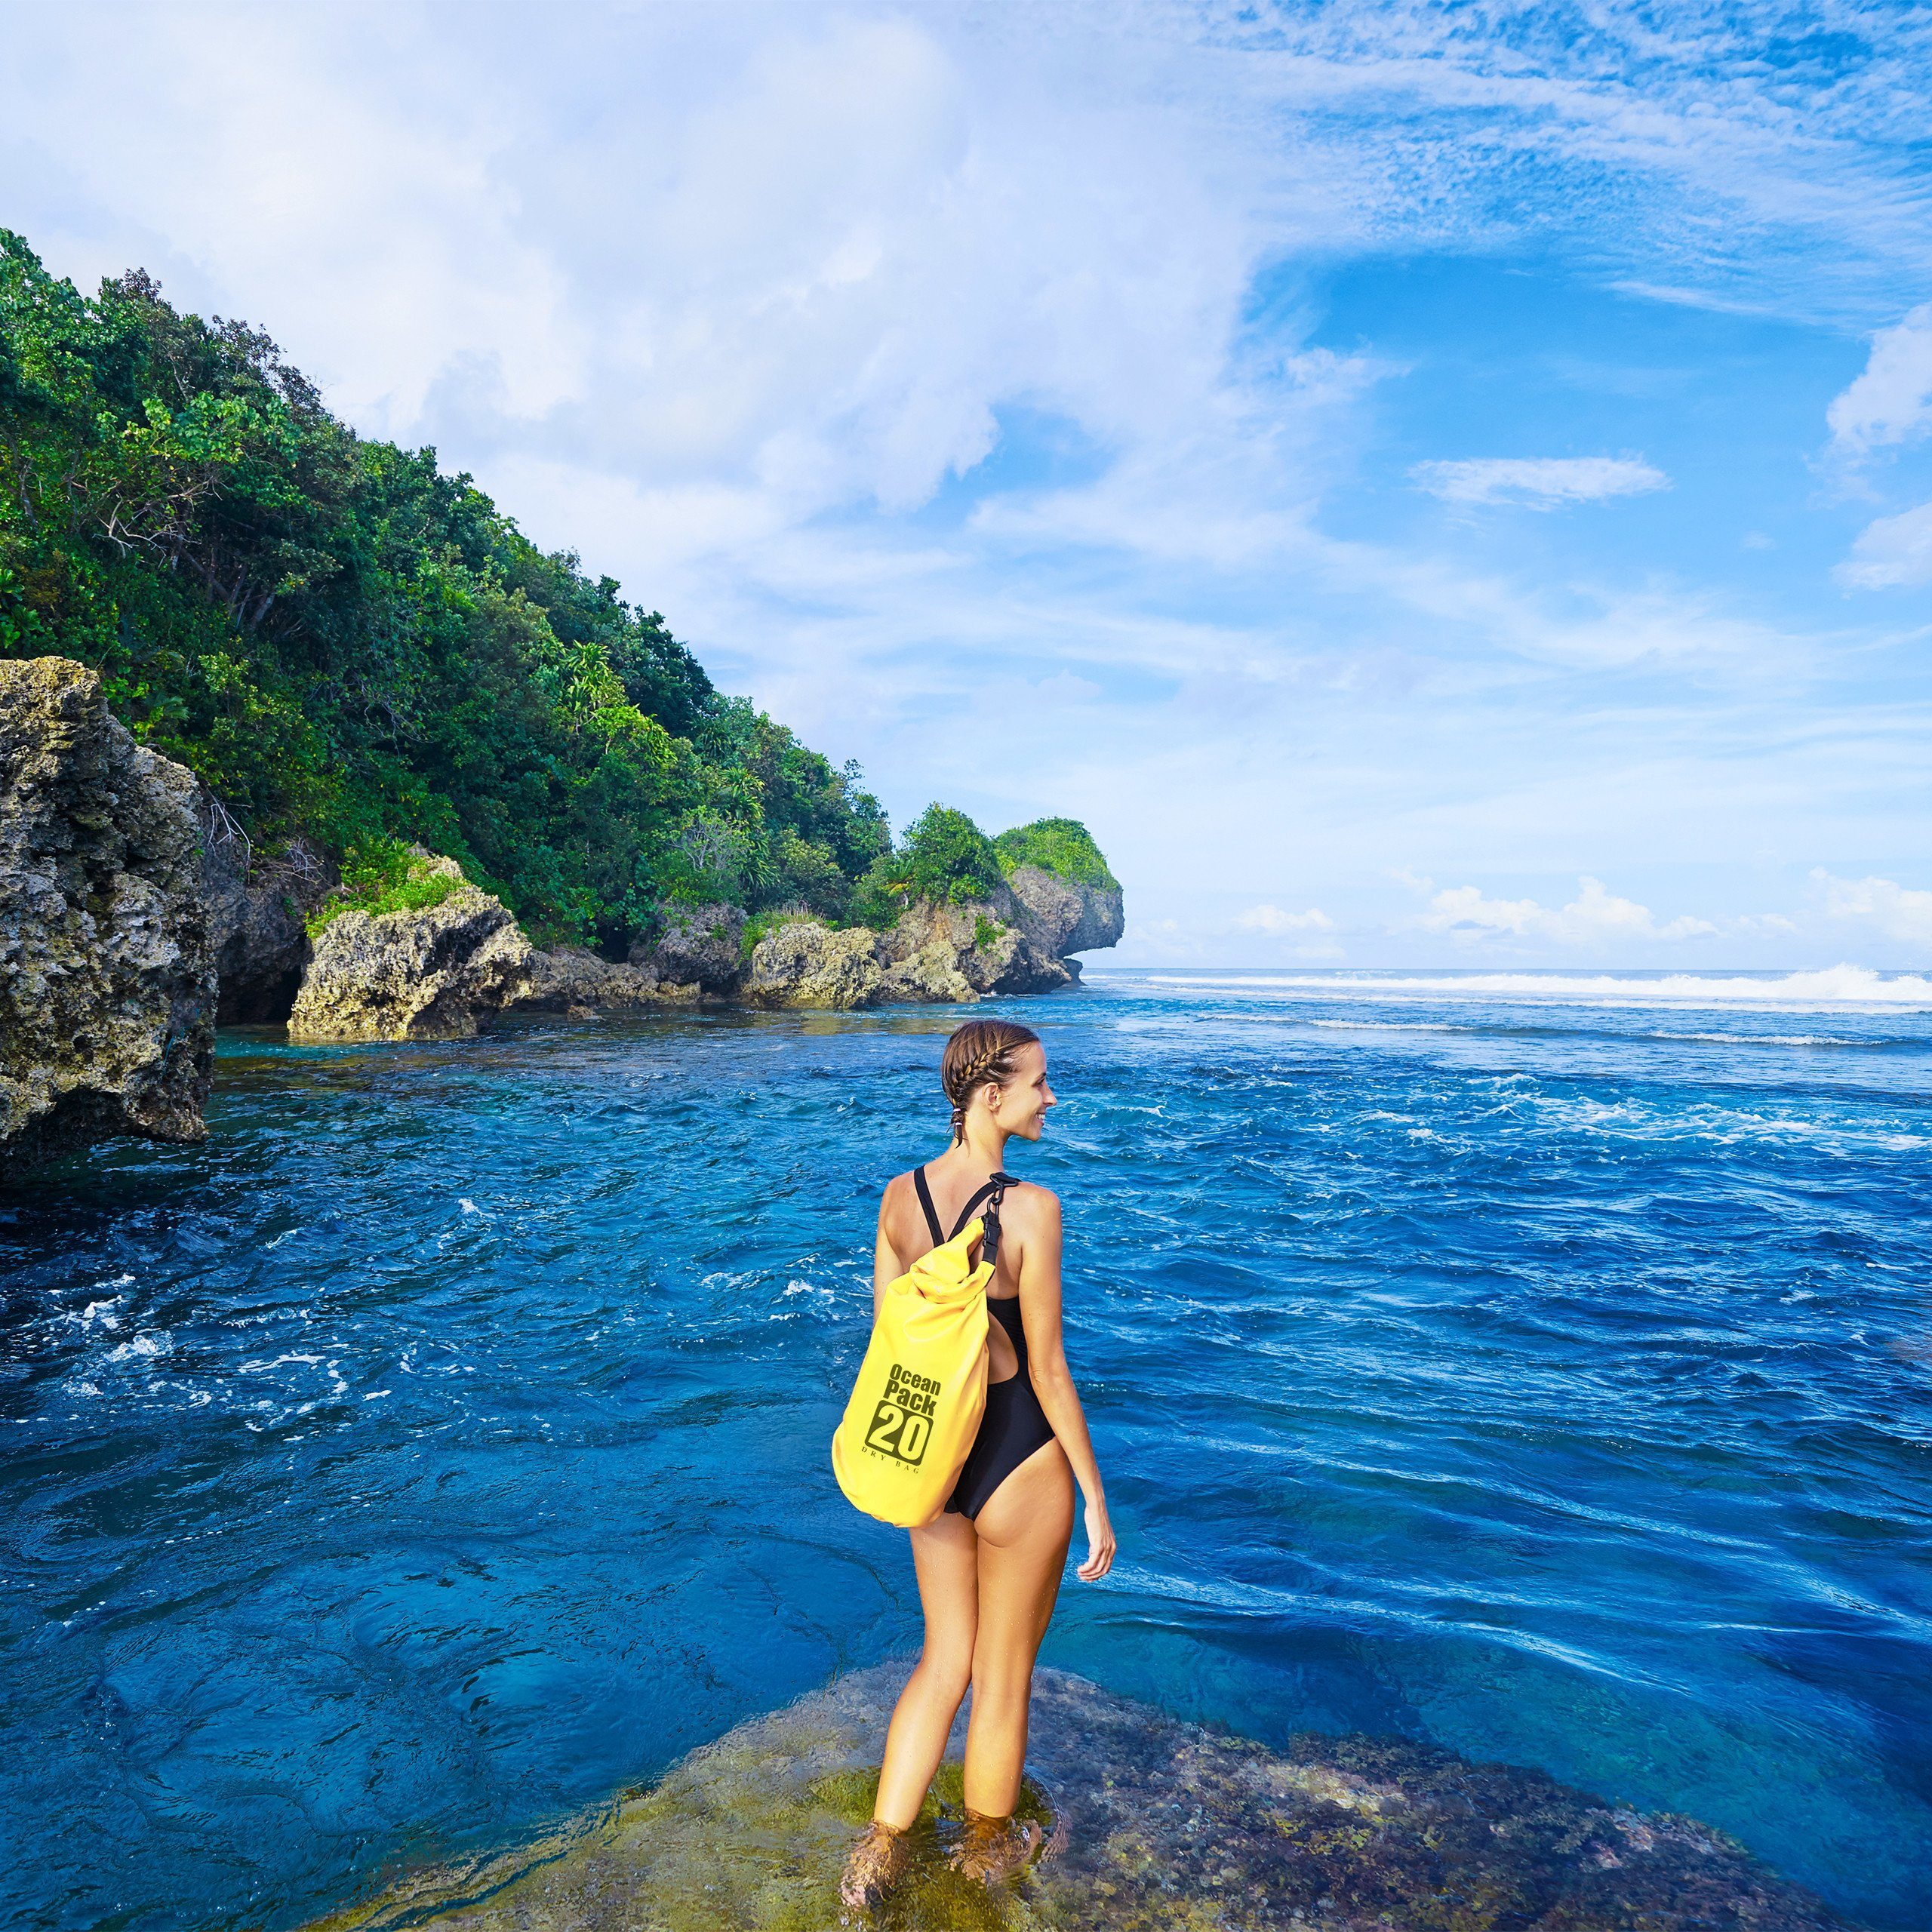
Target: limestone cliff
[[1061, 917], [107, 977]]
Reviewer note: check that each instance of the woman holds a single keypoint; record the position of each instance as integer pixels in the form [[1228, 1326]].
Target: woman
[[989, 1564]]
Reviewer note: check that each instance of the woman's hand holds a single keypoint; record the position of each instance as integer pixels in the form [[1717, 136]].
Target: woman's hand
[[1099, 1545]]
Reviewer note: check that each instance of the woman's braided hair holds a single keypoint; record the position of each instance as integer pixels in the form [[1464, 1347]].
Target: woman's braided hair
[[981, 1051]]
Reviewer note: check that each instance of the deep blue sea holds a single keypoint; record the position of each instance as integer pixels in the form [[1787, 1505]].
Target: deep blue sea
[[1538, 1366]]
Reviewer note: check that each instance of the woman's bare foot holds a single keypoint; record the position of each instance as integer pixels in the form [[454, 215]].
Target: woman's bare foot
[[993, 1849], [876, 1863]]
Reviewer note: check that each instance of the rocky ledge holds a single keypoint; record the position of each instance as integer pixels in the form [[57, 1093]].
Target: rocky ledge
[[1152, 1825], [443, 971]]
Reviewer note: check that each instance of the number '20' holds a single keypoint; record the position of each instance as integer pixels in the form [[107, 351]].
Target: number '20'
[[898, 1434]]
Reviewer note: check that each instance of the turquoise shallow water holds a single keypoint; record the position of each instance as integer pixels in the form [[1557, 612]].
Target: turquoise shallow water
[[444, 1445]]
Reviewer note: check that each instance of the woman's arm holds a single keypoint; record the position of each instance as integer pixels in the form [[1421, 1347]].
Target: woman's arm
[[1046, 1357]]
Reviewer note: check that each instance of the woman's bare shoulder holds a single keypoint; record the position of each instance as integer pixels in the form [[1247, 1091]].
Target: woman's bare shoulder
[[1031, 1205]]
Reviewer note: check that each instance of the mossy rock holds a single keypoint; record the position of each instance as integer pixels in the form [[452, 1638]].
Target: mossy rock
[[1160, 1826]]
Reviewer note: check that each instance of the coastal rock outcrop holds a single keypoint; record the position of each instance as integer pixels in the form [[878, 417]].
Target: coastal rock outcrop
[[1061, 916], [1150, 1825], [700, 946], [441, 971], [805, 963], [988, 944], [107, 979], [929, 976]]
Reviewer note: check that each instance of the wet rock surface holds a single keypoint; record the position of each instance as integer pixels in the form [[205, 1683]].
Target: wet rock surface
[[1156, 1826], [107, 978]]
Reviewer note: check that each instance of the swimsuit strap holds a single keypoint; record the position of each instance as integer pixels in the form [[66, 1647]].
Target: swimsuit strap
[[926, 1202], [996, 1187]]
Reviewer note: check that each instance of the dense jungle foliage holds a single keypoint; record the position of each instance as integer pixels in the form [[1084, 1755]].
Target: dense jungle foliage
[[346, 645]]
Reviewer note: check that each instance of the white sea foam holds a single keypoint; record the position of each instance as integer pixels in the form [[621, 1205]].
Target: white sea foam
[[1842, 985], [1389, 1025]]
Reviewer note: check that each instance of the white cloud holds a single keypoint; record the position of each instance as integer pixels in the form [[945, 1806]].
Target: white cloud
[[1595, 916], [1891, 402], [1540, 482], [723, 296], [1891, 551], [1273, 919], [1899, 912]]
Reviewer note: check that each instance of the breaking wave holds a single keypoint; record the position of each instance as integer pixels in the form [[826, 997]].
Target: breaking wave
[[1829, 987]]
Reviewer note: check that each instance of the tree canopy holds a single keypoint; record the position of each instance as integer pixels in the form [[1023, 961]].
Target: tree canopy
[[346, 644]]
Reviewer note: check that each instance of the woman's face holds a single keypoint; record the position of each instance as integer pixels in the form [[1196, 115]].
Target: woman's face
[[1022, 1103]]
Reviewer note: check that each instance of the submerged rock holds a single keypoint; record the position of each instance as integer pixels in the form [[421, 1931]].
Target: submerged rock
[[107, 980], [1155, 1825], [805, 963], [435, 972]]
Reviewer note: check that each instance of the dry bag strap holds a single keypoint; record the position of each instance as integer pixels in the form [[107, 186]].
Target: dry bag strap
[[996, 1188]]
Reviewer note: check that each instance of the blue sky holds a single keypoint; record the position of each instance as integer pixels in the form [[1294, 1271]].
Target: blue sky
[[1424, 484]]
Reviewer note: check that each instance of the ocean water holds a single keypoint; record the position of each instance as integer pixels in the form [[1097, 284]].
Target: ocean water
[[1537, 1366]]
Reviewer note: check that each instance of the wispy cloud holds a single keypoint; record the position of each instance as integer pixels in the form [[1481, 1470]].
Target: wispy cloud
[[1273, 920], [1898, 912], [1891, 551], [1540, 482], [1891, 401]]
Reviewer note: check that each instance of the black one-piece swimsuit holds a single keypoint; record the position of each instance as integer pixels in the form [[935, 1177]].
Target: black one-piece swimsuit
[[1014, 1424]]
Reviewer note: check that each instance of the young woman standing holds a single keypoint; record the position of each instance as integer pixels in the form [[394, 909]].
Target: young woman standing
[[989, 1564]]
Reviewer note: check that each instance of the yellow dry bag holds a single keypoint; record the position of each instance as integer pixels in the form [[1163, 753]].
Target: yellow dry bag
[[921, 1389]]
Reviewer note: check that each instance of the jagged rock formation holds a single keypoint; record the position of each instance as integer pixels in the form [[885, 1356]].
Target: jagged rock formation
[[936, 953], [440, 972], [107, 983], [929, 976], [1152, 1824], [445, 971], [987, 942], [701, 946], [1060, 917]]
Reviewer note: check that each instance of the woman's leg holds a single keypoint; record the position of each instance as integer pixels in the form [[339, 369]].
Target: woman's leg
[[944, 1553], [1024, 1528]]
